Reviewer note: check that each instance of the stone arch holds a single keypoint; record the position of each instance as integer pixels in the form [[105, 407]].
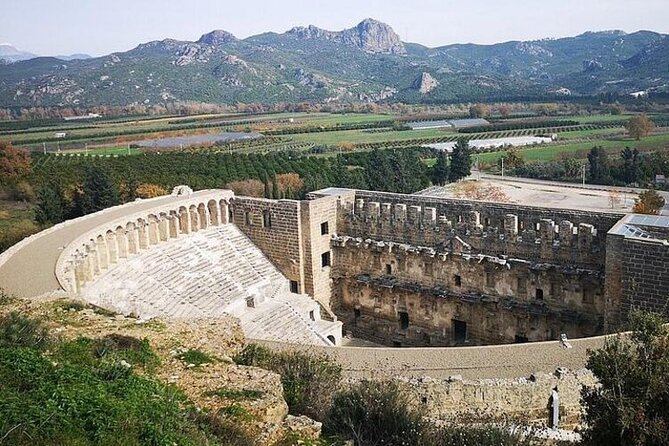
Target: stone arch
[[173, 219], [101, 247], [143, 232], [223, 211], [153, 230], [194, 218], [332, 339], [214, 214], [112, 247], [92, 258], [132, 236], [184, 220], [163, 227], [79, 270], [204, 218], [121, 242]]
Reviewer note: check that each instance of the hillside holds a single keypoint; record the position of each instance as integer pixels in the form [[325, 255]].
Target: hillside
[[366, 63]]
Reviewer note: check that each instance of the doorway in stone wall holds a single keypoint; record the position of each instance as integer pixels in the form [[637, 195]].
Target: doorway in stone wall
[[459, 331]]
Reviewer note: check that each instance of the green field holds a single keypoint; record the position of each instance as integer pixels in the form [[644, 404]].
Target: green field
[[579, 150]]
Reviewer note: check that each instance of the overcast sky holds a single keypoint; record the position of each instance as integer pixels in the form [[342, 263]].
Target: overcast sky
[[97, 27]]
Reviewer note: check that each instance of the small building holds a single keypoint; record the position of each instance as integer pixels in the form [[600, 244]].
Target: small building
[[660, 179], [60, 134]]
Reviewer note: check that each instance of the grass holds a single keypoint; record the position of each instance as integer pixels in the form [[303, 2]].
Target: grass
[[16, 222], [235, 394]]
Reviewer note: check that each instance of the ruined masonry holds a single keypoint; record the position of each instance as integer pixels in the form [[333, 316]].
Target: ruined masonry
[[397, 270]]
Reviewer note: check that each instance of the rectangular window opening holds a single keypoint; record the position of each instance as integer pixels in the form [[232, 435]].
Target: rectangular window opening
[[389, 269], [404, 320], [539, 294], [457, 280], [325, 228], [266, 219], [325, 259], [294, 287]]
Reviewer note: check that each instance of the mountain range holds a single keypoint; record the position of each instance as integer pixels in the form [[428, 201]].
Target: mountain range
[[10, 54], [366, 63]]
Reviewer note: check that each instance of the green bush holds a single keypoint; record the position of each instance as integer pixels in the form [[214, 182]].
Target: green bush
[[196, 357], [375, 413], [17, 330], [309, 381]]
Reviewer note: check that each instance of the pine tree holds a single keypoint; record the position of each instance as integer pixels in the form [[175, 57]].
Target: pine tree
[[600, 170], [50, 205], [461, 161], [440, 172], [98, 191]]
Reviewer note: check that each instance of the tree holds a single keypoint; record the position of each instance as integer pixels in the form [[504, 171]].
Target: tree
[[51, 208], [631, 407], [639, 126], [648, 202], [440, 170], [147, 190], [478, 111], [98, 191], [512, 159], [600, 170], [14, 163], [631, 168], [461, 161]]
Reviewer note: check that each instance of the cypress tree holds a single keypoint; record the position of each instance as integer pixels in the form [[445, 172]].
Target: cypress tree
[[461, 161], [440, 172]]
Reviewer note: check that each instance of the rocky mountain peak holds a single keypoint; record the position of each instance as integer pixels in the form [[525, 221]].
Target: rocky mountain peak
[[369, 35], [375, 37], [217, 37]]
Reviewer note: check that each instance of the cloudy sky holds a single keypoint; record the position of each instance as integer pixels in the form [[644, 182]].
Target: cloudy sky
[[98, 27]]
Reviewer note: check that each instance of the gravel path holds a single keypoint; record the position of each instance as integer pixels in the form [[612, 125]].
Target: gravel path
[[32, 270]]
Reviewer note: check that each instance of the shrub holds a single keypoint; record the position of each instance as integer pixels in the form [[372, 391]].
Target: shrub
[[309, 381], [146, 190], [17, 330], [376, 413]]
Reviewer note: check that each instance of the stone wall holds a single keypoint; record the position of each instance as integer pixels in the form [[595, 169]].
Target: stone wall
[[645, 276], [398, 294], [318, 222], [525, 400], [415, 270], [275, 227], [561, 236]]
